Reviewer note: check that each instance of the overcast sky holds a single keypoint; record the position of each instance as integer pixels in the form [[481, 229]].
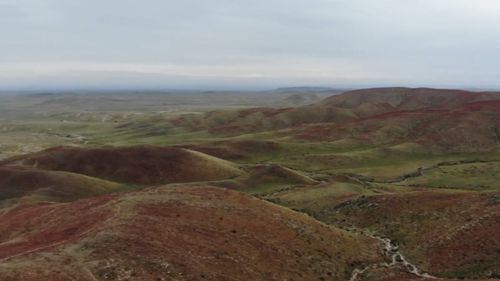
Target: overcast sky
[[251, 43]]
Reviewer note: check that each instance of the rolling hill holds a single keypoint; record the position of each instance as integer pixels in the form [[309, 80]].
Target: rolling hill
[[27, 184], [184, 233], [446, 120], [375, 184], [448, 233], [143, 165]]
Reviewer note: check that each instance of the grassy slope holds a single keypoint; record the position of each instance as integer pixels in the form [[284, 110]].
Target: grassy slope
[[197, 233], [474, 176], [447, 232], [20, 184], [335, 162], [145, 165]]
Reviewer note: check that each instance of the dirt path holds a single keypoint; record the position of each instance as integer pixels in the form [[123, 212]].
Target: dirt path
[[391, 251], [420, 171]]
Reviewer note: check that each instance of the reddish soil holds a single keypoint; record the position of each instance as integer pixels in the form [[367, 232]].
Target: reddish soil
[[40, 227], [447, 234], [180, 233], [410, 98], [464, 128], [432, 117], [384, 274], [136, 165], [18, 181]]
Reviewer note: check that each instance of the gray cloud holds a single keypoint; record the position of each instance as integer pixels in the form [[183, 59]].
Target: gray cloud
[[234, 42]]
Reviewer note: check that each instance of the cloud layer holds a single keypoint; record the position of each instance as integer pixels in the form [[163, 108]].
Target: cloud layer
[[260, 43]]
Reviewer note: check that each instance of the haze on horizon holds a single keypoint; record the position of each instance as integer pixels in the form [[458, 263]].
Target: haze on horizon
[[248, 44]]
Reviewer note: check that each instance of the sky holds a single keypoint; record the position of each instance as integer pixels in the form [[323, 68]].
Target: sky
[[232, 44]]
